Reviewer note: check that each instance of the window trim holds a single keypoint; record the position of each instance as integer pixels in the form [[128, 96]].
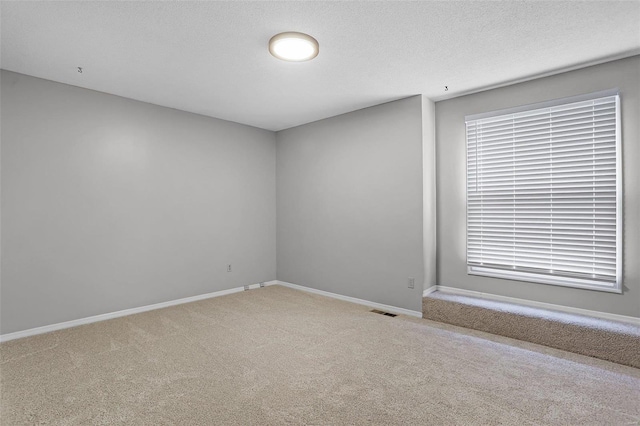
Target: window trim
[[539, 278]]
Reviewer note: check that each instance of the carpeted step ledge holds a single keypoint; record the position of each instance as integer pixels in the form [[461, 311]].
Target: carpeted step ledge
[[600, 338]]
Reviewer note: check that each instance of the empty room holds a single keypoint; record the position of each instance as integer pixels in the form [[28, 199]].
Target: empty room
[[320, 212]]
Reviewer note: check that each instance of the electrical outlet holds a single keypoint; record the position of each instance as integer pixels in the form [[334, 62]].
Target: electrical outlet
[[261, 285], [246, 288], [229, 268], [412, 282]]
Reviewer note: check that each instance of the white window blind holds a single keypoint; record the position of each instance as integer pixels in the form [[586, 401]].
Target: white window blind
[[544, 197]]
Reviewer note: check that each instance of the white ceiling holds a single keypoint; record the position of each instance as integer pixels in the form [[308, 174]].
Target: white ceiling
[[211, 58]]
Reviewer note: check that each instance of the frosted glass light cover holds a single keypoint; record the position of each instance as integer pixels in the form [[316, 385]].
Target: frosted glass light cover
[[294, 47]]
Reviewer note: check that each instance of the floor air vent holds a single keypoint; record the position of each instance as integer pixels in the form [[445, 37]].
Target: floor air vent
[[383, 313]]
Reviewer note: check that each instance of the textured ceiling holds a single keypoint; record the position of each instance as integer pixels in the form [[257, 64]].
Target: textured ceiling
[[211, 57]]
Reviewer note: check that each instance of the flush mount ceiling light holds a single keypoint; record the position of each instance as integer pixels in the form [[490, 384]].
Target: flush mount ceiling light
[[294, 47]]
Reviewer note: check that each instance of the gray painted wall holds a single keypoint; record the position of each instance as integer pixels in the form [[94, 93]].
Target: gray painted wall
[[349, 204], [429, 192], [451, 160], [109, 203]]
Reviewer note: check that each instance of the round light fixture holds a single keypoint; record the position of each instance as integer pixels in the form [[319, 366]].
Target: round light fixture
[[294, 47]]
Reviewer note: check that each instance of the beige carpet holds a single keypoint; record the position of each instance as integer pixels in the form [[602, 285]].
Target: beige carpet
[[280, 356], [610, 340]]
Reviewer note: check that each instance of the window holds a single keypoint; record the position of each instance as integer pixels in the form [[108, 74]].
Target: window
[[544, 193]]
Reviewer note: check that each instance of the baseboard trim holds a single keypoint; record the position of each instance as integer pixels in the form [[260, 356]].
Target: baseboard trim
[[387, 308], [534, 304], [429, 290], [103, 317]]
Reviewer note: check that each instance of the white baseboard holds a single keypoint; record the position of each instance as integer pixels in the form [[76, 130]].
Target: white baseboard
[[387, 308], [429, 290], [534, 304], [117, 314]]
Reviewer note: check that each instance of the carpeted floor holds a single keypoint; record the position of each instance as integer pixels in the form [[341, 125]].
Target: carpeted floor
[[280, 356], [609, 340]]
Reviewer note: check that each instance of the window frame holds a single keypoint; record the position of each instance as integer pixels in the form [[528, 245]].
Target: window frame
[[551, 279]]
